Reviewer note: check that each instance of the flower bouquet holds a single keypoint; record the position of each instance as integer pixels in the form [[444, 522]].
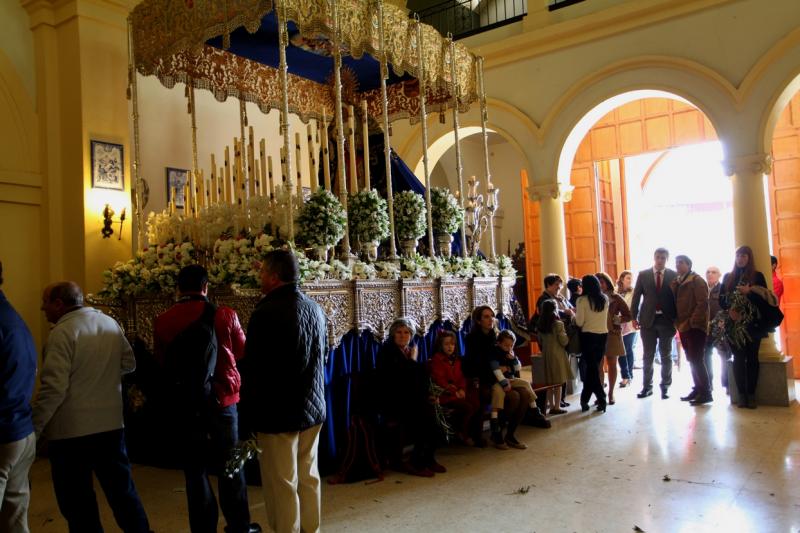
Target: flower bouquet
[[409, 219], [322, 220]]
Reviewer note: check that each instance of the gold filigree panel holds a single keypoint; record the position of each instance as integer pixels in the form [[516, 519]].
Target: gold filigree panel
[[484, 292], [455, 301], [336, 300], [146, 311], [421, 302], [347, 305], [377, 305]]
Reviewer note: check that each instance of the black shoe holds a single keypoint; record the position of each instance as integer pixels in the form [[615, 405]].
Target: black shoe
[[742, 401], [751, 402], [584, 407], [564, 404], [664, 395], [601, 408], [254, 528], [645, 393], [689, 397], [700, 400]]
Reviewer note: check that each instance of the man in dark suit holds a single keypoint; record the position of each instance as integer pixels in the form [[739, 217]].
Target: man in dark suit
[[656, 318]]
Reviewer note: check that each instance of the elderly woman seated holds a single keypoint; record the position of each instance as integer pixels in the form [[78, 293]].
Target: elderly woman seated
[[405, 398]]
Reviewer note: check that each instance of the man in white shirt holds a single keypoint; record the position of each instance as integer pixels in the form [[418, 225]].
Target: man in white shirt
[[79, 410], [655, 317]]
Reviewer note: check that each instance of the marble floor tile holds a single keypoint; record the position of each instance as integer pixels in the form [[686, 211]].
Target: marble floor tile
[[729, 470]]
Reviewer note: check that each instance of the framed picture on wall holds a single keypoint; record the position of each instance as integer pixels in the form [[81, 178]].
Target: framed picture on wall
[[108, 166], [177, 178]]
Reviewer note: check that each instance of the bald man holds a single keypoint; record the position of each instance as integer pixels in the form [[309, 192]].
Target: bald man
[[79, 410]]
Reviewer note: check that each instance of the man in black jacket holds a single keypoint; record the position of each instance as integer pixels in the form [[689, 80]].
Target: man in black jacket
[[283, 393]]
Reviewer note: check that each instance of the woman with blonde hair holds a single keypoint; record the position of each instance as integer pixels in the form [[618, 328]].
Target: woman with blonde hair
[[625, 289], [618, 313]]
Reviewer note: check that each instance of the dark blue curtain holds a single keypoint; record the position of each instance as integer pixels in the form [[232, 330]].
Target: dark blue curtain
[[349, 365]]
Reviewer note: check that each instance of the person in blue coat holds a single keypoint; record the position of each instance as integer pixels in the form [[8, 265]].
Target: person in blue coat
[[17, 438]]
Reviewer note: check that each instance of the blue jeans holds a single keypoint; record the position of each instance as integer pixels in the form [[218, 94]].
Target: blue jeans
[[209, 443], [626, 361], [72, 462]]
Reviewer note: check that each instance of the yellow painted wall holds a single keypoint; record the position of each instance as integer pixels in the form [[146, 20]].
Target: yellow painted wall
[[104, 116], [20, 194]]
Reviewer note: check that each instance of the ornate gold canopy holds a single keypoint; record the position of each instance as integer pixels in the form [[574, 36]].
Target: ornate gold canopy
[[169, 41]]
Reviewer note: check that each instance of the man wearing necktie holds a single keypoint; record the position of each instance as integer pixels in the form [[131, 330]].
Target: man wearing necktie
[[655, 317]]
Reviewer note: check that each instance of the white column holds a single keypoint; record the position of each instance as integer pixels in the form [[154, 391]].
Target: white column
[[750, 226], [553, 238]]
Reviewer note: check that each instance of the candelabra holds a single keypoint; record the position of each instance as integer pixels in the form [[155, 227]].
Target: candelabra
[[479, 216]]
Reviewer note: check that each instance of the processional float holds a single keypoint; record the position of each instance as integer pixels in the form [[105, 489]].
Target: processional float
[[316, 59]]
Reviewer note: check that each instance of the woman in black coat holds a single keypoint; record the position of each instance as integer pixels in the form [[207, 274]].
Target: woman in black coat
[[741, 297], [405, 397]]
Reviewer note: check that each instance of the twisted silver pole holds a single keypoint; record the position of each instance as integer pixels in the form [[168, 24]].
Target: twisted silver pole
[[283, 39], [487, 171], [456, 126], [423, 115], [387, 148], [345, 254], [137, 200]]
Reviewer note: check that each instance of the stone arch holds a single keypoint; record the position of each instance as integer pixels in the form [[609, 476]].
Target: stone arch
[[504, 119], [617, 84], [772, 83]]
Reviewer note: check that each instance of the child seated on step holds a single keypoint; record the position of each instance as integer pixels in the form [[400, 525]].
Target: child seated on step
[[506, 366]]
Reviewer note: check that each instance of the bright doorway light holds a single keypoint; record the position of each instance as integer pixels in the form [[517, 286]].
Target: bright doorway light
[[681, 200]]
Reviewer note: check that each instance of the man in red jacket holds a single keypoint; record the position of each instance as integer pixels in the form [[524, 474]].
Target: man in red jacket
[[214, 434]]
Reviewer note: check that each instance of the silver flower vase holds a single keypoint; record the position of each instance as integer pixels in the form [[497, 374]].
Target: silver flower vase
[[444, 241], [370, 249], [408, 246]]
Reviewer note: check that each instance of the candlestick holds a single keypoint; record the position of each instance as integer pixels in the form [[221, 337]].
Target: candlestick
[[271, 181], [251, 167], [365, 134], [351, 125], [312, 164], [298, 153], [228, 177], [263, 152], [326, 158]]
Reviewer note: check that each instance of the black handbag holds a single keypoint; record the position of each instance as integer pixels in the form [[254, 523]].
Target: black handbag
[[770, 316]]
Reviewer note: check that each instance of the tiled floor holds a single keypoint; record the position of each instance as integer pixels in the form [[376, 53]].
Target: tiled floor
[[729, 470]]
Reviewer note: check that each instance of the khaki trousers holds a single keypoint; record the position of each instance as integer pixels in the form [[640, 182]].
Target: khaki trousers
[[290, 480], [16, 459]]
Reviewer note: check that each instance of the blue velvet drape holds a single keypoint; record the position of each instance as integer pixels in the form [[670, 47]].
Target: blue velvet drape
[[354, 358]]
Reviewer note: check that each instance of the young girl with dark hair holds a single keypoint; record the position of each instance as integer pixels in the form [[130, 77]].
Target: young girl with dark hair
[[556, 361], [446, 373]]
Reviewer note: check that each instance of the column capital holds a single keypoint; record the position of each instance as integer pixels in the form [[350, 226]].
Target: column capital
[[748, 164], [556, 191]]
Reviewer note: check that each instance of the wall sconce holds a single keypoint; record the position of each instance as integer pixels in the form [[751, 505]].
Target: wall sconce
[[108, 221]]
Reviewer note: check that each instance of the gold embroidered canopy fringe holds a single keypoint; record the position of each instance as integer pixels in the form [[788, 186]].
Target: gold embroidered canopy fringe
[[168, 39]]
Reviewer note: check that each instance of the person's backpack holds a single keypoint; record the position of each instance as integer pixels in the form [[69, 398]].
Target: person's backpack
[[190, 361]]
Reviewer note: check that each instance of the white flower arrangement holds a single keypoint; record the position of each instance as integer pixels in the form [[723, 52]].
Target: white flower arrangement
[[446, 214], [153, 270], [409, 215], [368, 216], [322, 220], [506, 266]]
